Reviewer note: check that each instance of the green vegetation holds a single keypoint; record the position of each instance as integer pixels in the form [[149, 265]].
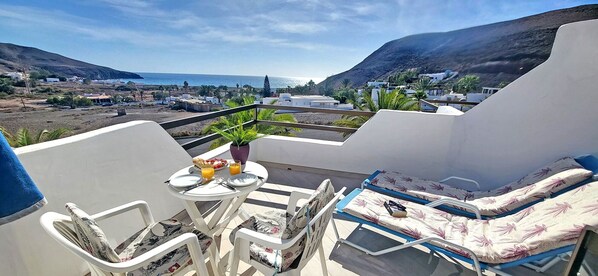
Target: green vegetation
[[267, 92], [70, 99], [236, 133], [394, 100], [403, 78], [6, 86], [47, 90], [346, 95], [234, 120], [421, 86], [468, 84], [23, 136]]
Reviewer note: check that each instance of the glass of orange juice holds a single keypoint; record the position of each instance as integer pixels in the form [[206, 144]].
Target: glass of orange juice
[[207, 172], [235, 167]]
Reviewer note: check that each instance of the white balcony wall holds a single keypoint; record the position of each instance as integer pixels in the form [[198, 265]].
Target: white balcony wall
[[97, 170], [391, 140], [546, 114]]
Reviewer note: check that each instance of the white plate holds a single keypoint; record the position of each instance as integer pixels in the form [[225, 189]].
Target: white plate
[[185, 180], [242, 179]]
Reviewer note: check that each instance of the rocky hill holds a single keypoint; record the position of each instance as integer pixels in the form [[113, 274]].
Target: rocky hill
[[496, 52], [15, 58]]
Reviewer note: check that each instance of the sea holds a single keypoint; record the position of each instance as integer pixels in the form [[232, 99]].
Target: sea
[[217, 80]]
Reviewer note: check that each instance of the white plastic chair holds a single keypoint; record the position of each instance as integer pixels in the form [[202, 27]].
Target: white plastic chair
[[244, 237], [51, 222]]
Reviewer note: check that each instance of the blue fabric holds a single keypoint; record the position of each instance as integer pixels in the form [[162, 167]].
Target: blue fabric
[[18, 194]]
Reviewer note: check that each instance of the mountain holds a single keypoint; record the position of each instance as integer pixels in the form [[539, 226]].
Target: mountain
[[496, 52], [14, 58]]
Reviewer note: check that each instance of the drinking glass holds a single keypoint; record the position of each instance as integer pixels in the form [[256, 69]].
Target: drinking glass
[[235, 167], [207, 172]]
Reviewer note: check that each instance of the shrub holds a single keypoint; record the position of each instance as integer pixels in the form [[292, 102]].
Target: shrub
[[6, 86], [80, 101]]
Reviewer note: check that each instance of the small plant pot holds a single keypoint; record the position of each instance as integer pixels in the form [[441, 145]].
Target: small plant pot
[[240, 153]]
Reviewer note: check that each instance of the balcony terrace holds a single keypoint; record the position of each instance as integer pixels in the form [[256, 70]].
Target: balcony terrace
[[497, 141], [342, 259]]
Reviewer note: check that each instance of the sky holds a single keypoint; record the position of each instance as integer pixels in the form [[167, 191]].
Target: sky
[[297, 38]]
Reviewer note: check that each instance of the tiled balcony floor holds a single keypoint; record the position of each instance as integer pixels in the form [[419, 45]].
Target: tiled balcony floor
[[342, 259]]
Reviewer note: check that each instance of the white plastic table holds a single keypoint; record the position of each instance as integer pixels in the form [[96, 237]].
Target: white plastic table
[[230, 200]]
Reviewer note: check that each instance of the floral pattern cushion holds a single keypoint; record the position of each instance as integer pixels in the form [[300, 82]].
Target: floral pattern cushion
[[538, 184], [271, 223], [90, 235], [155, 235], [320, 197], [547, 225], [280, 224]]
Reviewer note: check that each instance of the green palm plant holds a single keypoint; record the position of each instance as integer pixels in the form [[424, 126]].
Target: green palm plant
[[468, 83], [420, 95], [233, 120], [237, 134], [423, 84], [394, 100], [24, 137]]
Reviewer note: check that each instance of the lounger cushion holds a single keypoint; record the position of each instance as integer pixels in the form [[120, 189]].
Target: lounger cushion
[[155, 235], [90, 235], [280, 224], [547, 225], [538, 184]]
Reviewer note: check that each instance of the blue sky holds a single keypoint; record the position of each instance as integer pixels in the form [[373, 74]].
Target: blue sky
[[302, 38]]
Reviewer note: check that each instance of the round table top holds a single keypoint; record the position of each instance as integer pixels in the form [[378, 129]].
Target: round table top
[[212, 190]]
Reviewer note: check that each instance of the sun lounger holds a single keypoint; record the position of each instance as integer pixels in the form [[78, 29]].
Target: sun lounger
[[551, 180], [546, 229]]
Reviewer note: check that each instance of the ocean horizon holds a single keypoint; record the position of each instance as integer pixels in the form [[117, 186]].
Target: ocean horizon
[[217, 80]]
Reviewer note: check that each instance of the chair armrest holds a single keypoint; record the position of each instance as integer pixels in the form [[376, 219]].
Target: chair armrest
[[455, 202], [461, 179], [139, 204], [188, 239], [293, 199]]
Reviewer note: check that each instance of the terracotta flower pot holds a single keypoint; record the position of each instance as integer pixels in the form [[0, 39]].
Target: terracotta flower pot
[[240, 153]]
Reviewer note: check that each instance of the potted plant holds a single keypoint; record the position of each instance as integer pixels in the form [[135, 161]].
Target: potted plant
[[239, 138]]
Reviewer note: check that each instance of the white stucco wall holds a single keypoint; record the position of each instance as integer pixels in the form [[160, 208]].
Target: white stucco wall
[[546, 114], [97, 170], [390, 140]]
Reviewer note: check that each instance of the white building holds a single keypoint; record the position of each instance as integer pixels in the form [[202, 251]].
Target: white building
[[378, 84], [14, 75], [433, 94], [212, 100], [479, 97], [318, 101], [436, 77], [52, 80], [490, 90]]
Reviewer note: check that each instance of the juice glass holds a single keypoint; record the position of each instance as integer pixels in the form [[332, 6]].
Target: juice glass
[[207, 172], [235, 167]]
